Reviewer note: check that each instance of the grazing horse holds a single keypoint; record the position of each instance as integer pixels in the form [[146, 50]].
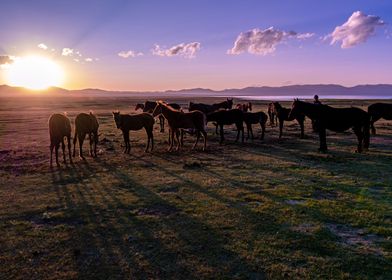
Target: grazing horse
[[149, 106], [254, 118], [59, 128], [86, 124], [283, 115], [178, 120], [335, 119], [245, 107], [135, 122], [378, 111], [227, 117], [271, 114], [207, 108]]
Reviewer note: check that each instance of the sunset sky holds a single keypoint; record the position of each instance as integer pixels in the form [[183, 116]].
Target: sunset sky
[[159, 45]]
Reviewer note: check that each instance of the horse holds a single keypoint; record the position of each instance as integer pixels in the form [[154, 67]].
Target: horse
[[245, 107], [59, 128], [149, 106], [177, 120], [271, 114], [227, 117], [282, 115], [254, 118], [378, 111], [135, 122], [86, 124], [335, 119], [207, 108]]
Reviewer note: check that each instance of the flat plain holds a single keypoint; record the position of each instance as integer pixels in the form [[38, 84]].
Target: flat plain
[[272, 208]]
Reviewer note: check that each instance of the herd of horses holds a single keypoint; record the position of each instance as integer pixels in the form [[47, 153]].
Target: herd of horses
[[195, 121]]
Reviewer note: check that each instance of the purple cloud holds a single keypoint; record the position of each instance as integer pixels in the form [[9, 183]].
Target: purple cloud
[[186, 50]]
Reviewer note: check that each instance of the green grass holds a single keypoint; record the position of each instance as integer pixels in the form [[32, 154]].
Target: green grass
[[266, 209]]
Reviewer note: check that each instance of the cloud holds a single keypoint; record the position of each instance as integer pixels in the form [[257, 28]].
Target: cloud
[[186, 50], [6, 59], [263, 42], [67, 52], [130, 53], [88, 59], [42, 46], [357, 29]]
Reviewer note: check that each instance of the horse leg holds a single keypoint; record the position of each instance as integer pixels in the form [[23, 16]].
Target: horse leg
[[301, 124], [262, 124], [182, 138], [81, 140], [178, 140], [197, 139], [358, 132], [57, 153], [323, 140], [251, 131], [247, 131], [162, 123], [74, 143], [221, 134], [91, 145], [51, 152], [172, 139], [205, 139], [148, 140], [69, 148], [280, 128], [63, 148], [373, 119], [242, 131], [151, 139], [216, 129], [366, 136]]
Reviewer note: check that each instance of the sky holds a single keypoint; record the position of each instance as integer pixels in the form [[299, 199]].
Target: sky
[[151, 45]]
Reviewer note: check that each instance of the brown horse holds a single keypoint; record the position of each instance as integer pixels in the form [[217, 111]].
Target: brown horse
[[227, 117], [135, 122], [245, 107], [379, 111], [335, 119], [86, 124], [283, 115], [272, 115], [178, 120], [59, 128], [255, 118]]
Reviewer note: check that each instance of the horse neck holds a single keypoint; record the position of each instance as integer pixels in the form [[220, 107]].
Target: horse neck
[[310, 110], [167, 112]]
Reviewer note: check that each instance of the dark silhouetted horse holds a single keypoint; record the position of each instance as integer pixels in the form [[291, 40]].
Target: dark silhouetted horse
[[59, 128], [245, 107], [282, 115], [272, 115], [86, 124], [149, 106], [135, 122], [177, 120], [227, 117], [335, 119], [255, 118], [379, 111], [207, 108]]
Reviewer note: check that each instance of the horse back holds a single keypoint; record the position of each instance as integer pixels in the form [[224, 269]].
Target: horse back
[[137, 121]]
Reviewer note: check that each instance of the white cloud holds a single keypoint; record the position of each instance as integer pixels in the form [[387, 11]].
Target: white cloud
[[42, 46], [67, 52], [263, 42], [130, 53], [357, 29], [88, 59], [186, 50]]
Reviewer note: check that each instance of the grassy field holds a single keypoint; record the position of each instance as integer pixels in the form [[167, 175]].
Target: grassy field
[[272, 209]]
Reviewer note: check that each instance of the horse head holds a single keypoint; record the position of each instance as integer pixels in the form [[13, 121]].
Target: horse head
[[294, 108], [139, 106], [117, 118], [229, 103]]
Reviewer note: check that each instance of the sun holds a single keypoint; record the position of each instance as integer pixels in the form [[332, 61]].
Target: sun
[[35, 72]]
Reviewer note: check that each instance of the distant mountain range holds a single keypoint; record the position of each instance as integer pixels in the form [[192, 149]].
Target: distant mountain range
[[382, 90]]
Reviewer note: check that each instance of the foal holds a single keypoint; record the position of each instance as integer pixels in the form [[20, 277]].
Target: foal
[[135, 122], [283, 115], [178, 120], [335, 119]]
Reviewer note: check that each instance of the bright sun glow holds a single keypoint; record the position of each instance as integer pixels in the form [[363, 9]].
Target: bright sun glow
[[35, 72]]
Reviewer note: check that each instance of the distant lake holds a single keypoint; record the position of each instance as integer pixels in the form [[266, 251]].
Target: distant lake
[[291, 97]]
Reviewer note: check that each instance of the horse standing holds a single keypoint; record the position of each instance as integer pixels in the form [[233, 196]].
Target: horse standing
[[86, 124], [149, 106], [178, 120], [59, 128], [378, 111], [227, 117], [255, 118], [207, 108], [335, 119], [282, 115], [135, 122]]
